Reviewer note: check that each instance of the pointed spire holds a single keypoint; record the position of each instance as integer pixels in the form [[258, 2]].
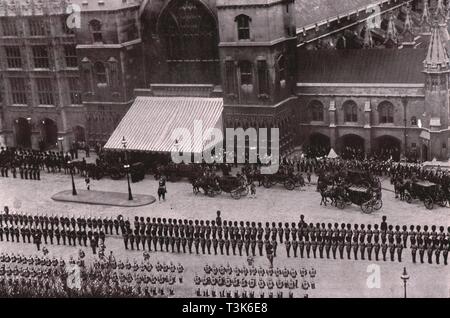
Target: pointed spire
[[437, 59], [391, 32], [440, 14], [425, 14], [368, 40], [408, 32]]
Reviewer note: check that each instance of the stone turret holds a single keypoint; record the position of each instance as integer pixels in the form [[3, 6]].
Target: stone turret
[[425, 21]]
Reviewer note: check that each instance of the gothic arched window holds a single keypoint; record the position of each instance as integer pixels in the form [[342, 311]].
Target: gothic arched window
[[245, 68], [281, 63], [315, 111], [96, 30], [100, 73], [386, 113], [243, 26], [350, 112]]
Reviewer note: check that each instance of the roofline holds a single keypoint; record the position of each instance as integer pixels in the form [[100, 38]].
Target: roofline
[[377, 85], [335, 18]]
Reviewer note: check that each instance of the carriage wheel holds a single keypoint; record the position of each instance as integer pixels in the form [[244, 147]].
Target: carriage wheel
[[367, 207], [236, 194], [196, 190], [442, 203], [244, 191], [289, 184], [378, 205], [211, 193], [266, 183], [408, 197], [428, 203], [340, 203]]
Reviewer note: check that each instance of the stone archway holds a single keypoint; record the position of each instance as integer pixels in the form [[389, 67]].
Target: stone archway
[[386, 147], [352, 146], [318, 145], [22, 132], [79, 134], [49, 134]]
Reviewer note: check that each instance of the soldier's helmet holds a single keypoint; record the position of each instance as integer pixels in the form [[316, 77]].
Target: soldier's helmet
[[441, 228], [425, 228], [362, 226], [369, 226], [136, 218], [224, 223], [273, 224], [384, 218], [213, 222], [433, 228], [201, 222], [397, 227], [196, 222], [355, 226], [164, 220]]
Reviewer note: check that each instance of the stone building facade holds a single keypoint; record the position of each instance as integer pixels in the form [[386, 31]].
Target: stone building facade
[[333, 78]]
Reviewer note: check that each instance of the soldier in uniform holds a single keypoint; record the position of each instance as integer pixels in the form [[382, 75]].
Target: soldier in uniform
[[430, 249], [307, 246], [247, 245], [355, 244], [287, 244], [125, 239], [369, 247], [413, 249], [301, 245], [399, 247], [392, 249], [294, 246], [362, 246]]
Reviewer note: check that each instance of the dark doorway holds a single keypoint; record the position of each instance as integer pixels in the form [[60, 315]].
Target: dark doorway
[[424, 152], [388, 147], [319, 145], [352, 147], [79, 134], [189, 37], [49, 134], [22, 128]]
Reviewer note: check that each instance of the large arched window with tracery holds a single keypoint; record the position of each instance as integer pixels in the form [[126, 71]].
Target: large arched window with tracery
[[189, 36], [386, 112], [350, 111], [315, 111]]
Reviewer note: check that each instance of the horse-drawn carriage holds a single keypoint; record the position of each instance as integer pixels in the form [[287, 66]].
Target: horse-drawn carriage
[[176, 172], [352, 187], [427, 192], [214, 185], [368, 199]]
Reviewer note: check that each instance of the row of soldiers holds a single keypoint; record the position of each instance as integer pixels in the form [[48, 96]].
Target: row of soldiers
[[25, 172], [36, 235], [106, 224]]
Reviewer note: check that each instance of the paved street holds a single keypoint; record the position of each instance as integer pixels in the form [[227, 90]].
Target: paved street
[[275, 204]]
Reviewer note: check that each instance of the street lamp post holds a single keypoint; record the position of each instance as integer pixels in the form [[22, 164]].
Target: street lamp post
[[61, 146], [127, 168], [74, 191], [404, 277]]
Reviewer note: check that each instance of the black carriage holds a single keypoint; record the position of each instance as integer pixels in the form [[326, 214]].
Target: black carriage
[[176, 172], [367, 198], [213, 186], [427, 192], [271, 180], [362, 178]]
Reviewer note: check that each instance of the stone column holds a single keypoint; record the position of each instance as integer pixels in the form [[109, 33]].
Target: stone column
[[367, 126], [332, 114]]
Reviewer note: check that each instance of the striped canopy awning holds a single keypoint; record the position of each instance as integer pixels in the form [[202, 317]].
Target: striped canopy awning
[[150, 123]]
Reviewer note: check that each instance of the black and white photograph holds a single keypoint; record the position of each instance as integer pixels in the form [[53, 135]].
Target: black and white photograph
[[229, 151]]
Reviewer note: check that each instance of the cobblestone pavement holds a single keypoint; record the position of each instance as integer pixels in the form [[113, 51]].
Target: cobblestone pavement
[[275, 204]]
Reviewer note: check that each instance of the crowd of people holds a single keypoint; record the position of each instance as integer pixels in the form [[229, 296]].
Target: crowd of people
[[37, 276], [243, 282]]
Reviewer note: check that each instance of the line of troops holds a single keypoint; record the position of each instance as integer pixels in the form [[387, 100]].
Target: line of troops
[[367, 242], [144, 283], [243, 282], [308, 240], [27, 172], [60, 230], [50, 160]]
